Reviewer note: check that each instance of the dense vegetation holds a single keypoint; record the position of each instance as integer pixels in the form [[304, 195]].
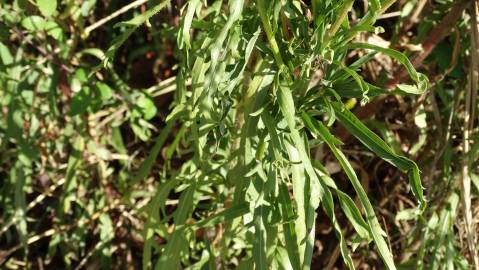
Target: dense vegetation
[[243, 134]]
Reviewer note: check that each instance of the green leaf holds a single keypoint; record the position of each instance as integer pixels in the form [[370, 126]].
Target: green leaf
[[105, 91], [147, 107], [147, 164], [178, 241], [375, 5], [80, 102], [18, 177], [47, 7], [34, 23], [420, 79], [226, 215], [317, 186], [380, 148], [6, 57], [410, 89], [475, 181], [407, 214], [371, 218], [153, 209], [354, 215], [131, 26], [184, 34], [289, 228], [54, 30], [293, 232], [260, 247]]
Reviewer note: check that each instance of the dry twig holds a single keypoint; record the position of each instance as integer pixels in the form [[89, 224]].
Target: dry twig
[[115, 14], [470, 96]]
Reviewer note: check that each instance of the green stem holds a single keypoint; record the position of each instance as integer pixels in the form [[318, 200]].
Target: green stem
[[342, 15], [269, 34]]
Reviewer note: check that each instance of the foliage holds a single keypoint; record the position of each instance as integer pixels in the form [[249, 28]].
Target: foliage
[[233, 169]]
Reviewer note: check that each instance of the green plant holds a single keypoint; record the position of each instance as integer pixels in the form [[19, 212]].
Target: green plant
[[263, 79], [234, 154]]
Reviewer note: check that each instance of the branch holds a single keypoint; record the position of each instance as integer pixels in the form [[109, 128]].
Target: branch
[[115, 14]]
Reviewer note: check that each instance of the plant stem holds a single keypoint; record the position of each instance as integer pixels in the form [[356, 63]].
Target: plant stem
[[342, 15], [115, 14], [269, 34]]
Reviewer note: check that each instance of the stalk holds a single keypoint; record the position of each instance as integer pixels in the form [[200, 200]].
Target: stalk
[[342, 15], [269, 34]]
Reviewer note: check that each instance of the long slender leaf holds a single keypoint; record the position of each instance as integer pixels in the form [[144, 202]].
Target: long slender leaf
[[371, 218], [378, 146], [318, 188]]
